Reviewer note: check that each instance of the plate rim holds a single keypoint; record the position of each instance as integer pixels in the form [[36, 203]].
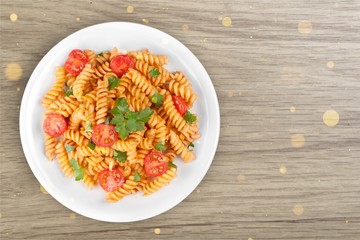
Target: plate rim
[[22, 120]]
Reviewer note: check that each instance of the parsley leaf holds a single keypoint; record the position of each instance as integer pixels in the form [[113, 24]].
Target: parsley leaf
[[89, 126], [145, 114], [154, 72], [91, 145], [137, 177], [69, 147], [191, 146], [78, 172], [74, 164], [69, 92], [157, 99], [160, 146], [171, 164], [189, 117], [126, 121], [113, 82], [120, 156]]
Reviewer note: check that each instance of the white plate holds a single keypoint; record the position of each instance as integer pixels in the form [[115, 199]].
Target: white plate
[[74, 195]]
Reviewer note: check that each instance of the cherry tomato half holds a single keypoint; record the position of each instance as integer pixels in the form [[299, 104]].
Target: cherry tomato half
[[104, 135], [76, 61], [54, 124], [121, 63], [180, 104], [111, 180], [155, 164]]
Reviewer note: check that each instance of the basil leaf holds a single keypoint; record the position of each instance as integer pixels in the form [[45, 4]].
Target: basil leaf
[[154, 72], [91, 145], [189, 117], [120, 156], [157, 99], [160, 146], [74, 164], [145, 114], [79, 174], [171, 164], [69, 92], [137, 177], [69, 147], [113, 82]]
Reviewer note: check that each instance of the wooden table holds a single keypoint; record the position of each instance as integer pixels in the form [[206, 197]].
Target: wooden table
[[287, 75]]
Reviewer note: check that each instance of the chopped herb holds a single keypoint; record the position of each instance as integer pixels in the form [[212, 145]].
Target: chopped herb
[[91, 145], [189, 117], [126, 121], [100, 53], [69, 147], [191, 146], [154, 72], [137, 177], [160, 146], [107, 120], [171, 164], [69, 92], [113, 82], [89, 126], [120, 156], [157, 99], [78, 172]]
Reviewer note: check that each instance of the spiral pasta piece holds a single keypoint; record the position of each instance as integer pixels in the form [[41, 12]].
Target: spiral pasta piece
[[124, 145], [70, 79], [91, 56], [63, 160], [180, 148], [64, 105], [176, 119], [181, 79], [102, 57], [74, 136], [89, 181], [182, 91], [101, 70], [145, 69], [81, 79], [121, 192], [101, 101], [50, 143], [56, 89], [141, 82], [76, 117], [155, 60], [160, 182]]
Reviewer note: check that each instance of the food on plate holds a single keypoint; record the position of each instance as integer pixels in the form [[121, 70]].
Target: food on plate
[[119, 120]]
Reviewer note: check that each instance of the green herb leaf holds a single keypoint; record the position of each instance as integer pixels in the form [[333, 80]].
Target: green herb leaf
[[123, 131], [69, 147], [145, 114], [154, 72], [107, 120], [189, 117], [100, 53], [89, 126], [157, 99], [122, 105], [113, 82], [137, 177], [160, 146], [69, 92], [130, 115], [91, 145], [74, 164], [79, 174], [134, 125], [118, 118], [191, 146], [171, 164], [120, 156]]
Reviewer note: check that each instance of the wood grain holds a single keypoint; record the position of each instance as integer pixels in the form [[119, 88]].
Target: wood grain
[[260, 66]]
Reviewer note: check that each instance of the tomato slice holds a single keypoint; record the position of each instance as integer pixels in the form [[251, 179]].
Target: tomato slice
[[155, 164], [121, 63], [111, 180], [180, 104], [54, 124], [76, 61], [104, 135]]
